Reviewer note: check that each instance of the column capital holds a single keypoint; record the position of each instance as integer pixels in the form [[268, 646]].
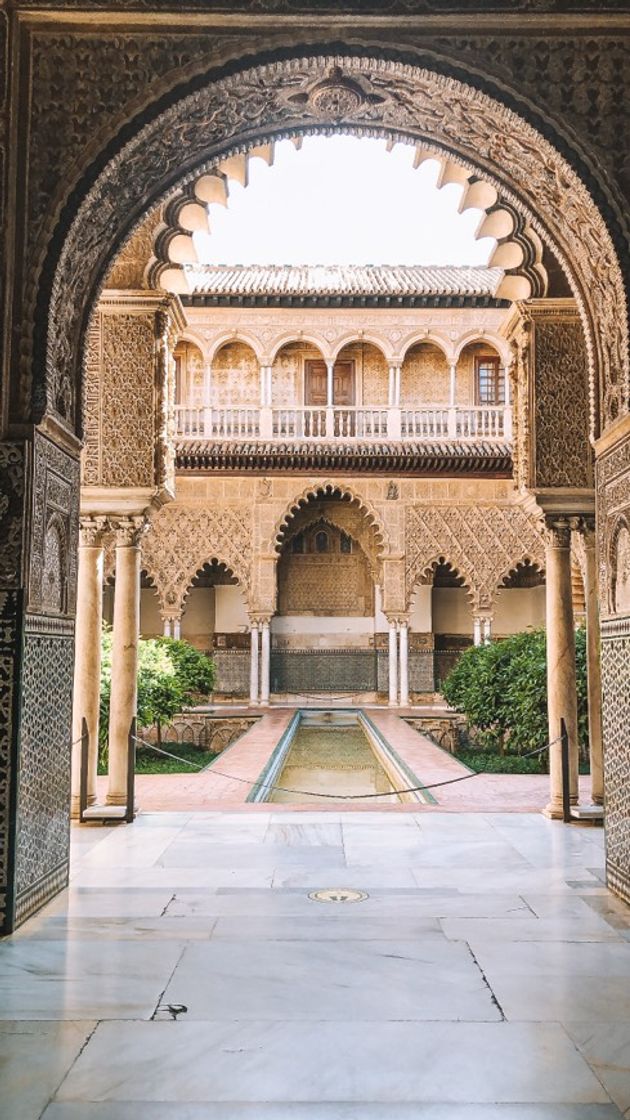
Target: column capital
[[171, 616], [559, 528], [91, 531], [260, 619], [128, 531]]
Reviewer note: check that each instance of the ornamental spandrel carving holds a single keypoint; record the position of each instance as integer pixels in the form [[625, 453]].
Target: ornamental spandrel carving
[[183, 538], [482, 133], [483, 543]]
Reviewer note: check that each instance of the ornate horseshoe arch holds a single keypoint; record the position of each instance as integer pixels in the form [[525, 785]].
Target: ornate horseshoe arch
[[364, 95]]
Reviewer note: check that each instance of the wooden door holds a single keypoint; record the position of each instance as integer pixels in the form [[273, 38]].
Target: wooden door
[[315, 384], [343, 384]]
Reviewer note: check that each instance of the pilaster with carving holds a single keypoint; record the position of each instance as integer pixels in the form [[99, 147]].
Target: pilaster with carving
[[613, 515], [551, 402], [129, 394]]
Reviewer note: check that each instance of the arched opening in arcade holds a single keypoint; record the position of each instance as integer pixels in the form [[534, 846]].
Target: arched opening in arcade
[[433, 426]]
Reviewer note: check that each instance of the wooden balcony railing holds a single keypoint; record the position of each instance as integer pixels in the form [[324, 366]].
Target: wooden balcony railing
[[364, 423]]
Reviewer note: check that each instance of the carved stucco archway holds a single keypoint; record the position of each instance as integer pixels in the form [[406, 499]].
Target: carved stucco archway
[[184, 538], [380, 96], [481, 542], [378, 545]]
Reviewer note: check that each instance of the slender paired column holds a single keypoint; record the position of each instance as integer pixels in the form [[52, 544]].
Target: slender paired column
[[124, 690], [393, 663], [253, 664], [561, 674], [403, 634], [593, 661], [452, 396], [87, 657], [265, 661], [477, 630]]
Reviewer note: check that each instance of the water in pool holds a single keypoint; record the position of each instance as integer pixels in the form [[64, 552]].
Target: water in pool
[[329, 759]]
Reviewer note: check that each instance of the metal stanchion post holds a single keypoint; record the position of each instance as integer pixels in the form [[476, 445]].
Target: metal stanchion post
[[83, 777], [131, 773], [566, 791]]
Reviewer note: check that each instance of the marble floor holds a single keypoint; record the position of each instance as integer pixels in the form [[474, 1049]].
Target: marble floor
[[486, 975]]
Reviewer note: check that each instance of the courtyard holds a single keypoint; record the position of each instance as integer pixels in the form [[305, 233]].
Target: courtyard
[[484, 974]]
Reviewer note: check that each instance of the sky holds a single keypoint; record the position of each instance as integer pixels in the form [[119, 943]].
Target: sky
[[342, 200]]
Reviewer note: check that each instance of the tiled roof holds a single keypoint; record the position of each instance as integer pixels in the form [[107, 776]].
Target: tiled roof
[[342, 280]]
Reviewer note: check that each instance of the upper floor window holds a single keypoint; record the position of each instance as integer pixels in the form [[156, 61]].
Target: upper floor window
[[321, 542], [345, 543], [489, 380], [297, 544]]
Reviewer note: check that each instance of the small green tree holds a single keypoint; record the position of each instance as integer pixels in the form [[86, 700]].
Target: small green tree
[[195, 671], [171, 674], [502, 690]]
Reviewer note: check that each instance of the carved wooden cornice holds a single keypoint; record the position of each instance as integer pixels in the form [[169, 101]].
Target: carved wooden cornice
[[473, 460]]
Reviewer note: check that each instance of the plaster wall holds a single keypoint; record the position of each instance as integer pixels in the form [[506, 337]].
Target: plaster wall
[[151, 625], [230, 610], [421, 612], [198, 619], [452, 613], [518, 608]]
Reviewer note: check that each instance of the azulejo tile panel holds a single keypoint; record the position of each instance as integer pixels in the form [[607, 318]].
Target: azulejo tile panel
[[42, 845], [616, 722]]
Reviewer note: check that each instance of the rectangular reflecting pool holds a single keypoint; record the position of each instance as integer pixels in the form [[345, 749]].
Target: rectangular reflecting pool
[[327, 754]]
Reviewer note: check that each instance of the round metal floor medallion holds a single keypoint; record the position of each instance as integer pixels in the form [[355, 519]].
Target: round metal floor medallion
[[339, 894]]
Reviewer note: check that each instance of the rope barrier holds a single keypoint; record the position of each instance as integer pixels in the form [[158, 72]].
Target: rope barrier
[[340, 796]]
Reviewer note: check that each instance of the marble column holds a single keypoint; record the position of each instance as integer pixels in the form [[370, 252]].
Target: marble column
[[477, 630], [486, 629], [87, 659], [166, 631], [403, 634], [452, 395], [177, 628], [253, 664], [265, 661], [393, 664], [124, 689], [561, 674], [593, 660]]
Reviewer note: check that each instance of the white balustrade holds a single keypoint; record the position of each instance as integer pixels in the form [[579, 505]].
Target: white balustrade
[[481, 423], [190, 422], [426, 422]]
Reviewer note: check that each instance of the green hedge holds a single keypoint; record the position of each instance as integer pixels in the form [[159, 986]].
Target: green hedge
[[501, 688]]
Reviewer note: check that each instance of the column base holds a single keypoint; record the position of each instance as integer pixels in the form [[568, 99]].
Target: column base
[[116, 799], [75, 807], [553, 812]]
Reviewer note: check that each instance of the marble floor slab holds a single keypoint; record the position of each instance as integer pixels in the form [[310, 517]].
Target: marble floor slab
[[34, 1059], [331, 980], [352, 1061], [119, 1110], [81, 979], [484, 977], [607, 1050]]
